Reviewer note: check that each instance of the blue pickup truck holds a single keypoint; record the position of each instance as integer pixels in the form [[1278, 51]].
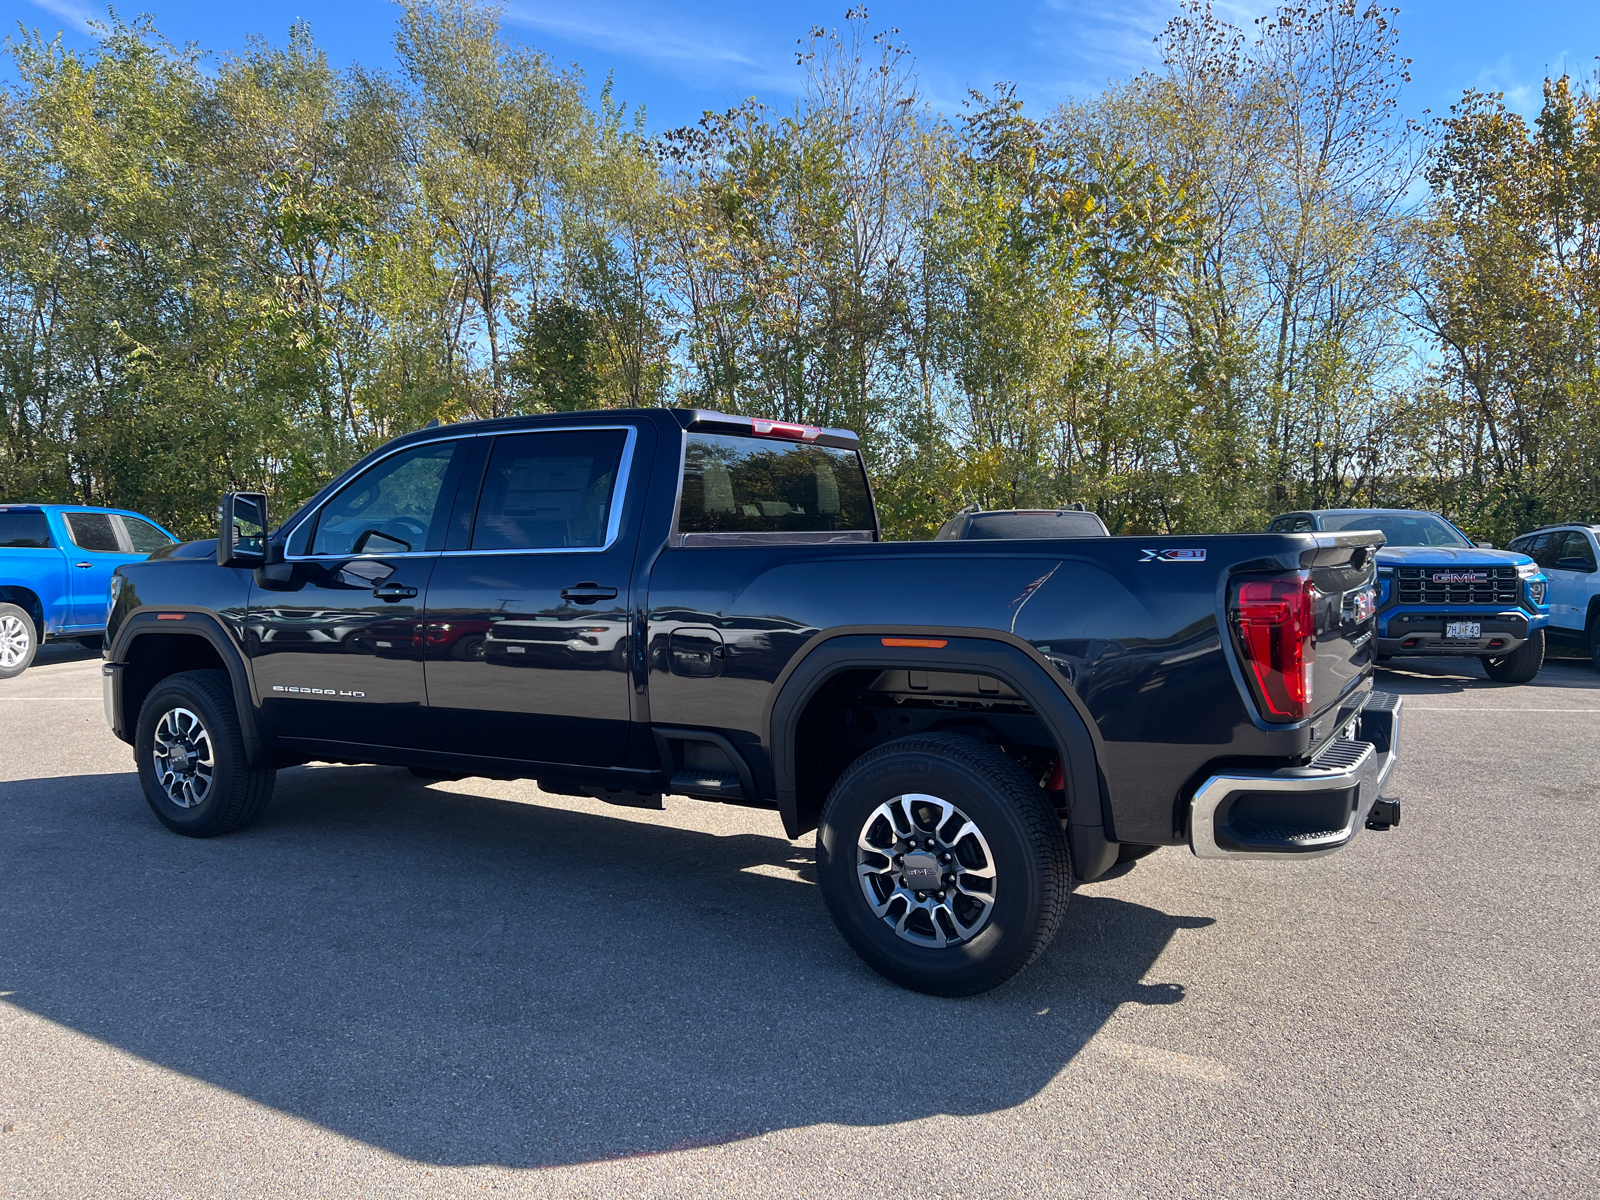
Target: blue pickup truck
[[1441, 593], [56, 562]]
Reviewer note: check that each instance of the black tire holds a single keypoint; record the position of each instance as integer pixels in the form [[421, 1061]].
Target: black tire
[[1594, 642], [233, 792], [19, 641], [1032, 874], [1521, 665]]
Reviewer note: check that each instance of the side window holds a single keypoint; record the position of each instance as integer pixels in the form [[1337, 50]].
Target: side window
[[144, 537], [25, 531], [1304, 525], [1536, 546], [1279, 525], [1576, 554], [93, 531], [549, 490], [397, 506]]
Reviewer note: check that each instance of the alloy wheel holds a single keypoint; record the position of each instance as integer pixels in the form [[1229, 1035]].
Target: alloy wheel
[[926, 870], [15, 638], [184, 760]]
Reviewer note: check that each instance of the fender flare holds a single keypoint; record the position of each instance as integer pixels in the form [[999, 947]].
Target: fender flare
[[197, 623], [1090, 830]]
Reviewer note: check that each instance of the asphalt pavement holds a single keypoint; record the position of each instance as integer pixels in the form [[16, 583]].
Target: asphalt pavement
[[391, 989]]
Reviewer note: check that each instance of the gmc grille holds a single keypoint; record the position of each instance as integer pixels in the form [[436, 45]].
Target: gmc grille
[[1494, 585]]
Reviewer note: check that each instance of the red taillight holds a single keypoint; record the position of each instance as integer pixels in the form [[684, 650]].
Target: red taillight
[[1277, 638], [787, 429]]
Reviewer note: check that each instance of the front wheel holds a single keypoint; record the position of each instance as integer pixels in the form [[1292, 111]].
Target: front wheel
[[190, 753], [19, 641], [943, 864], [1521, 665]]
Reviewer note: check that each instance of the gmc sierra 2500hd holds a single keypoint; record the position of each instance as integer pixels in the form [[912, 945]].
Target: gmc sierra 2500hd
[[627, 603]]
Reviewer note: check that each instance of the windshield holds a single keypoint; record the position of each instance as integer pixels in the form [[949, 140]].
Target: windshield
[[1400, 528]]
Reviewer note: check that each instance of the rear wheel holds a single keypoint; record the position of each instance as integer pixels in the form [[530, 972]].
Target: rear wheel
[[1594, 643], [1521, 665], [190, 753], [943, 864], [19, 641]]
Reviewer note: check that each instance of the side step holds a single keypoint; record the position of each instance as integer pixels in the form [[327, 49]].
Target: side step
[[706, 783]]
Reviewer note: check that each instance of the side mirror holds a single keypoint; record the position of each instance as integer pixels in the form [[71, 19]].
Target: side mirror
[[242, 538], [1484, 545]]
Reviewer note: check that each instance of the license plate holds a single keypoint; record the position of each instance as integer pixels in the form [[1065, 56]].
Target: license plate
[[1466, 630]]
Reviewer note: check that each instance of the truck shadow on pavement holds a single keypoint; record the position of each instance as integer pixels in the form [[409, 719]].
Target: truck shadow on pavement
[[465, 980]]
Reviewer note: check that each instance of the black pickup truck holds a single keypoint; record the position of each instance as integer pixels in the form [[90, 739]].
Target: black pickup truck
[[629, 603]]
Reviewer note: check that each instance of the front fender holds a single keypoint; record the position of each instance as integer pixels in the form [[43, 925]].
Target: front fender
[[180, 622]]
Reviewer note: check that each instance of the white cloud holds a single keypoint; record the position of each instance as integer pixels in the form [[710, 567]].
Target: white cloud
[[68, 10], [691, 56]]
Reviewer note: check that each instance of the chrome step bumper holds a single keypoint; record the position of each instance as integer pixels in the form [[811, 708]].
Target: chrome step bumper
[[1301, 812]]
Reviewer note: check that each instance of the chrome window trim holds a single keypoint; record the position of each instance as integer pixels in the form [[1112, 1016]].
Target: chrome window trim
[[619, 494]]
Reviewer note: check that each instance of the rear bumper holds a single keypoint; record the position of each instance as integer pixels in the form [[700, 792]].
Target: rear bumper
[[1300, 812]]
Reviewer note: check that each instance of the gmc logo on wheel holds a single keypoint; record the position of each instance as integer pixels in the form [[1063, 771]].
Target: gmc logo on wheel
[[1461, 577]]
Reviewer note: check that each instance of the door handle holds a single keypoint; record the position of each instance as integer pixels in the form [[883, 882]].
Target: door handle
[[588, 593], [393, 591], [84, 566]]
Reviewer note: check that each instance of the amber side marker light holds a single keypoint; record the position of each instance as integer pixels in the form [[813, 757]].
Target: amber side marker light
[[921, 643]]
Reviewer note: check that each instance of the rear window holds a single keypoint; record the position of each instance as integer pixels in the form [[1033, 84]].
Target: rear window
[[93, 531], [753, 485], [24, 531]]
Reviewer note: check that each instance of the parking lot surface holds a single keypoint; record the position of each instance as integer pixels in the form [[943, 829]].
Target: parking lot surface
[[392, 989]]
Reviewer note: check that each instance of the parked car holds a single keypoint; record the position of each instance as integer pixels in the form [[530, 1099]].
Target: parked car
[[979, 523], [56, 561], [1567, 555], [1441, 593], [704, 606]]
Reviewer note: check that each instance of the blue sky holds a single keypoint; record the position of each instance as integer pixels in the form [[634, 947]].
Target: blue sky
[[680, 58]]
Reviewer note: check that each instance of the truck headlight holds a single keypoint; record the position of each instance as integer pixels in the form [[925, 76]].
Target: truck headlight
[[1536, 590], [1529, 571]]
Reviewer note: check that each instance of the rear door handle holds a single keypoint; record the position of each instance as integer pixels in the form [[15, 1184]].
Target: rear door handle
[[393, 591], [588, 593], [84, 566]]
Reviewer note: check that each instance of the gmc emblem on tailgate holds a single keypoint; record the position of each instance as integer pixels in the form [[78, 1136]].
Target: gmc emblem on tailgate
[[1461, 577]]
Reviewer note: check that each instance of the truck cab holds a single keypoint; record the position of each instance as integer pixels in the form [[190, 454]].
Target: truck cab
[[56, 562], [1442, 594]]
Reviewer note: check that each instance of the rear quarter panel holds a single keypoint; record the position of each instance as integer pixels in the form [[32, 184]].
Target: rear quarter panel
[[1140, 645]]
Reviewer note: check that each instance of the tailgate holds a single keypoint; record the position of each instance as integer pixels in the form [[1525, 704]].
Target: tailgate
[[1343, 570]]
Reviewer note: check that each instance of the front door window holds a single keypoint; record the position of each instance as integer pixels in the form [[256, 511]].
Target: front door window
[[338, 646]]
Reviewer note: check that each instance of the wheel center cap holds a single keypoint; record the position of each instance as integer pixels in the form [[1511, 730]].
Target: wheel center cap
[[922, 872], [179, 759]]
